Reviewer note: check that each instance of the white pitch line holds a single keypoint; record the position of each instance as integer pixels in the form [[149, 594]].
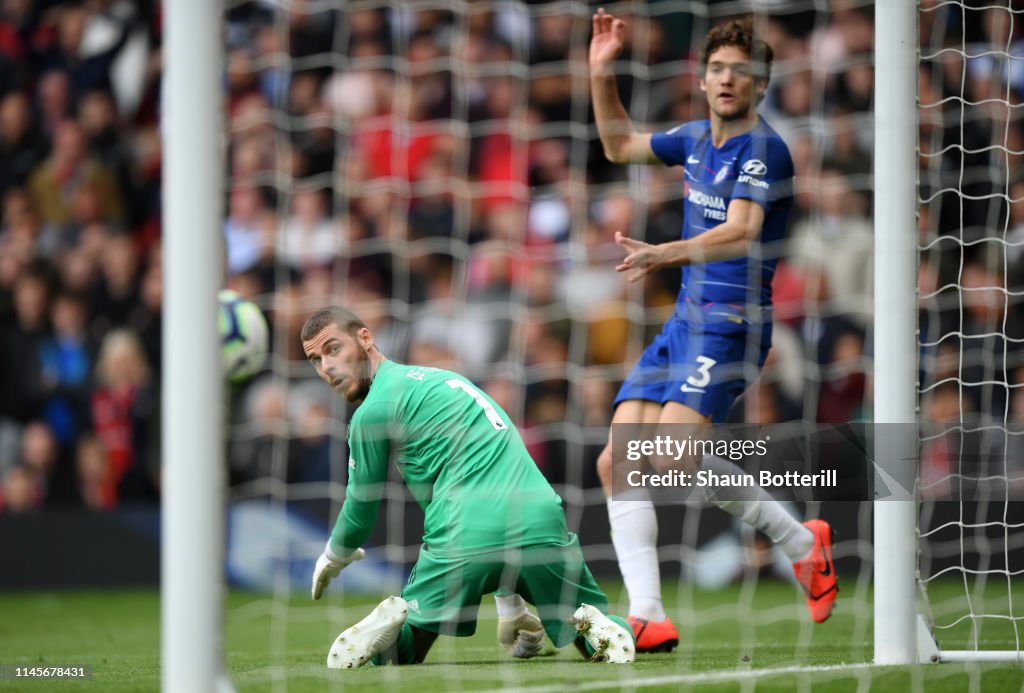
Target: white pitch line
[[698, 677]]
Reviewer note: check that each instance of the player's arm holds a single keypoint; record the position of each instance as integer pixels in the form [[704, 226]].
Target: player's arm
[[369, 453], [730, 239], [369, 445], [622, 144]]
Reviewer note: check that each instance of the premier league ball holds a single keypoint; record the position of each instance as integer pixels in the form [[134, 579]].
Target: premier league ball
[[245, 337]]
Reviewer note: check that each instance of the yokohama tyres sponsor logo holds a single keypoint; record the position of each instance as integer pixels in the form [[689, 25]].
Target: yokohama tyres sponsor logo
[[704, 200], [714, 206]]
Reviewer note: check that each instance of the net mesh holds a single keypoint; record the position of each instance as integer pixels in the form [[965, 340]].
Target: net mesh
[[971, 190], [435, 165]]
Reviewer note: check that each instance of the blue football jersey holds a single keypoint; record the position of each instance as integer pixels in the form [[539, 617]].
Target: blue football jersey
[[727, 295]]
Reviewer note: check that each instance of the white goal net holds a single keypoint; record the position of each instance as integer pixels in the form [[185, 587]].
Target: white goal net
[[435, 166], [971, 336]]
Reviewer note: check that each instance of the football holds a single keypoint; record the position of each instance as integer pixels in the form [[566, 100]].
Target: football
[[245, 337]]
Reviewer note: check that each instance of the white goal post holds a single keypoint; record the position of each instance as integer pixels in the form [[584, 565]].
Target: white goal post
[[192, 552], [895, 182]]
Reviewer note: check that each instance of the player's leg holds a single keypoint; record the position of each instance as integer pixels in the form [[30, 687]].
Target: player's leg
[[711, 379], [422, 641], [808, 545], [634, 530], [444, 593], [441, 596], [571, 605], [751, 504], [383, 637]]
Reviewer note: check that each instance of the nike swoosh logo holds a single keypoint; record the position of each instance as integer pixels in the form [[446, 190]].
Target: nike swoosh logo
[[692, 160], [687, 388], [828, 566], [833, 588]]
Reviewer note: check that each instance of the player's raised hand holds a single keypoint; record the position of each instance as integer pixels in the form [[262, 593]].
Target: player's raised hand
[[329, 565], [608, 39], [641, 258]]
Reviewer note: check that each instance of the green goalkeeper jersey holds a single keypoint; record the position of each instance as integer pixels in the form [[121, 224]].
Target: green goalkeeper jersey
[[460, 456]]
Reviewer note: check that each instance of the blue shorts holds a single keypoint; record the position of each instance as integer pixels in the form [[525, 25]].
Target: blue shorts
[[704, 371]]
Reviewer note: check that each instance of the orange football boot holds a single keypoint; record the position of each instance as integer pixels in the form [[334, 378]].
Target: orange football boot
[[817, 574], [654, 636]]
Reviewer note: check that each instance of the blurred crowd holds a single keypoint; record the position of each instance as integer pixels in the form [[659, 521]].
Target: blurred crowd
[[439, 172]]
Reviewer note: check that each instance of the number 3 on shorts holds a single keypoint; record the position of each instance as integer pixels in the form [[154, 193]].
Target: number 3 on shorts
[[703, 375]]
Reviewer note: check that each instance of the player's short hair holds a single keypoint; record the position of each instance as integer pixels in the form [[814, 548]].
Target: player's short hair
[[345, 319], [739, 33]]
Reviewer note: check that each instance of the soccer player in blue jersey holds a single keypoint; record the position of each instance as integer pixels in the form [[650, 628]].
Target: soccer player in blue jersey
[[738, 193]]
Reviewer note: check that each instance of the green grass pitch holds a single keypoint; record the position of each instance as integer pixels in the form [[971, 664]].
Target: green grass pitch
[[282, 645]]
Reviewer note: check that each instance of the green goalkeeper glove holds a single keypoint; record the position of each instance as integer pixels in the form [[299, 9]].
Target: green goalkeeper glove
[[329, 565]]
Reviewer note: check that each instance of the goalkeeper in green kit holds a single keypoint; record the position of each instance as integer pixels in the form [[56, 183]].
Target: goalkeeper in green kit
[[492, 522]]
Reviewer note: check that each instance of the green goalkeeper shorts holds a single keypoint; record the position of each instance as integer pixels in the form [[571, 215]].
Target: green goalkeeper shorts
[[444, 592]]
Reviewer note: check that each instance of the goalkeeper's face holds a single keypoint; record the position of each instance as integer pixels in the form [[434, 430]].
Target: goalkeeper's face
[[342, 360]]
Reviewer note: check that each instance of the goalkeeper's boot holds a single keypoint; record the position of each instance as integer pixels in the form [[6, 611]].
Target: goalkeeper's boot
[[377, 632], [522, 636], [654, 636], [817, 574], [610, 641]]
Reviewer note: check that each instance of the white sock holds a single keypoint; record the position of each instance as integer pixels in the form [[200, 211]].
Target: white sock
[[635, 537], [757, 508], [510, 605]]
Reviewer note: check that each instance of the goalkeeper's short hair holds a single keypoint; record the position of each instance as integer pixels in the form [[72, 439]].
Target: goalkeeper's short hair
[[345, 319]]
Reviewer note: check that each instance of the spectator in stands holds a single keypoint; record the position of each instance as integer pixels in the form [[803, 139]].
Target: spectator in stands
[[1013, 452], [310, 450], [21, 382], [248, 243], [125, 416], [66, 359], [40, 454], [943, 409], [309, 237], [22, 235], [95, 488], [838, 238], [1015, 261], [843, 380], [54, 183], [147, 318], [20, 490], [22, 147], [54, 103], [116, 294], [263, 409], [107, 145], [988, 356], [87, 42]]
